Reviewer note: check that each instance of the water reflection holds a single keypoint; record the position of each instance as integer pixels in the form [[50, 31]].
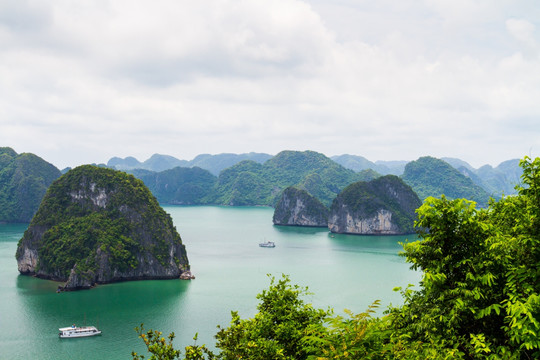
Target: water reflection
[[300, 230]]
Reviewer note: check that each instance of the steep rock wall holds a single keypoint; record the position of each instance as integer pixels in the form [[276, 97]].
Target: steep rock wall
[[347, 223], [297, 207], [384, 206]]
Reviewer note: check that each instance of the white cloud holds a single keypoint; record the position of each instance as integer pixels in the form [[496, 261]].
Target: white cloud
[[524, 32], [84, 81]]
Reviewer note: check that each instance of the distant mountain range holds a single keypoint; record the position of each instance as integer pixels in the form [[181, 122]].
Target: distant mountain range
[[429, 176], [495, 181], [212, 163], [359, 163], [251, 183], [258, 179]]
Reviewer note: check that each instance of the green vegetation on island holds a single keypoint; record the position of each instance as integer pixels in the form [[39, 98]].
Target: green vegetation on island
[[297, 207], [259, 179], [429, 176], [97, 225], [251, 183], [360, 206], [479, 297], [24, 179], [180, 185], [243, 184]]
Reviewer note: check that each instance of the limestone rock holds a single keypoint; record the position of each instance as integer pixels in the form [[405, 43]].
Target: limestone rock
[[297, 207], [384, 206], [96, 226]]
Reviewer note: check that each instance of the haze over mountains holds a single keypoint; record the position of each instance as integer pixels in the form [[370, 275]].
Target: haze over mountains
[[494, 180], [259, 179], [212, 163]]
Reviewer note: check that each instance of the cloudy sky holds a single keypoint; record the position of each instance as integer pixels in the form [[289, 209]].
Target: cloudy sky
[[83, 81]]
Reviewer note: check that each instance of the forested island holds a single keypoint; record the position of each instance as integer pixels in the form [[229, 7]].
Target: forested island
[[383, 206], [297, 207], [96, 226], [24, 179]]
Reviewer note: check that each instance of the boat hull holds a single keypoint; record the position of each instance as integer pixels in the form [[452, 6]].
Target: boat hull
[[77, 332]]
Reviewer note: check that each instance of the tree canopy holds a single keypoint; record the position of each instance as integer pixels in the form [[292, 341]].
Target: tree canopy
[[479, 297]]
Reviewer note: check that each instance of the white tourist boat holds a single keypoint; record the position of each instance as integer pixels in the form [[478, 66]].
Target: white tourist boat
[[268, 244], [76, 331]]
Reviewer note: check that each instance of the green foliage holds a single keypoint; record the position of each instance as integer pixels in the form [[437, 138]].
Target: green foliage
[[256, 184], [156, 344], [368, 175], [91, 210], [24, 179], [180, 185], [479, 296], [429, 176], [76, 240], [279, 330], [243, 184], [252, 182], [276, 331], [352, 337]]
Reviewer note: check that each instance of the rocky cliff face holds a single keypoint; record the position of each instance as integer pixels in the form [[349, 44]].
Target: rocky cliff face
[[384, 206], [379, 224], [97, 226], [298, 208]]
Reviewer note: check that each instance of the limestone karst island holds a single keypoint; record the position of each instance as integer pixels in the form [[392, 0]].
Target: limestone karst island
[[96, 226]]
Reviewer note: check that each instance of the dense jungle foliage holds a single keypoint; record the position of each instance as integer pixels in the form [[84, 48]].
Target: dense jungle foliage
[[24, 179], [479, 297]]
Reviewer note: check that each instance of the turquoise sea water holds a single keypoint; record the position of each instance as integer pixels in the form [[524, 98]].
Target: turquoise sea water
[[342, 271]]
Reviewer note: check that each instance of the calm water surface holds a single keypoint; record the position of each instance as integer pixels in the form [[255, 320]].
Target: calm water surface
[[342, 271]]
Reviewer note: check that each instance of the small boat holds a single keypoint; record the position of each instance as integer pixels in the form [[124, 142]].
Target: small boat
[[75, 331], [268, 244]]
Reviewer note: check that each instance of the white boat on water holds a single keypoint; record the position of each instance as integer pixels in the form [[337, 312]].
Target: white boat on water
[[268, 244], [76, 331]]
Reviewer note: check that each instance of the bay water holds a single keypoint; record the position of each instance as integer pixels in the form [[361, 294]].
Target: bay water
[[341, 272]]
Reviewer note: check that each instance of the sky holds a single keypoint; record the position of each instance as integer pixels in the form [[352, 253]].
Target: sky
[[83, 81]]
